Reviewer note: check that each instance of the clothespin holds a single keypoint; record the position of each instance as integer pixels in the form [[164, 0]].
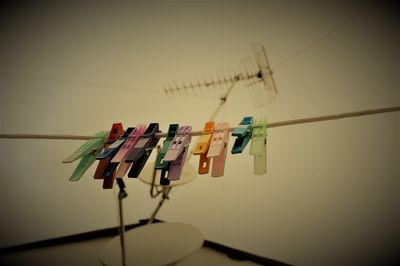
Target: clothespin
[[126, 149], [177, 151], [243, 134], [109, 172], [218, 148], [115, 132], [111, 150], [172, 130], [88, 147], [258, 146], [160, 164], [202, 145], [142, 150], [87, 152]]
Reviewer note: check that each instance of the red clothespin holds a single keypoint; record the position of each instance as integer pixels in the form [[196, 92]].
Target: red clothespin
[[112, 150], [218, 149], [126, 149], [116, 131], [202, 145], [177, 151]]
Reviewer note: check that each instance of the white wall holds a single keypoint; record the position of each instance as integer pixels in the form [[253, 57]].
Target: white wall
[[331, 193]]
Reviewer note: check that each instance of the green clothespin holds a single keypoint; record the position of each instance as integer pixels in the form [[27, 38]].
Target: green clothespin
[[258, 146], [243, 134], [87, 147], [84, 164], [172, 130], [160, 164], [88, 152]]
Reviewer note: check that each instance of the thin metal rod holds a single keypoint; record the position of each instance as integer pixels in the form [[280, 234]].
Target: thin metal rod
[[121, 195], [153, 178], [198, 133], [223, 100], [165, 192]]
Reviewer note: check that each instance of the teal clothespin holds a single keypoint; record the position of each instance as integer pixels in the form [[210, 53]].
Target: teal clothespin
[[243, 134], [88, 152], [258, 146], [172, 130]]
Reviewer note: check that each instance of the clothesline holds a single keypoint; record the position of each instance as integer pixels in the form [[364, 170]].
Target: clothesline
[[199, 132]]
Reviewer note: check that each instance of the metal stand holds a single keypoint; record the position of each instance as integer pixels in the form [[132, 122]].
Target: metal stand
[[121, 195], [165, 192]]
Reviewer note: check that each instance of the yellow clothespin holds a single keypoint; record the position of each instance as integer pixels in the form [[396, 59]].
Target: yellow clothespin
[[202, 145], [258, 146]]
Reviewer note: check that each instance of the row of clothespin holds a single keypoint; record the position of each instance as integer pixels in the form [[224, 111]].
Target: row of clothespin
[[120, 152]]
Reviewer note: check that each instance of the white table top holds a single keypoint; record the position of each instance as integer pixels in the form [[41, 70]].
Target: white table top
[[154, 244]]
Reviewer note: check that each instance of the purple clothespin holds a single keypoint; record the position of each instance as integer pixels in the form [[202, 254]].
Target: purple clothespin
[[177, 152]]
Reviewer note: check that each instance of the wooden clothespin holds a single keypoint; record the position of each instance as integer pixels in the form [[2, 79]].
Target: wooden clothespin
[[142, 150], [109, 153], [243, 134], [115, 133], [176, 154], [160, 164], [87, 152], [218, 149], [258, 146], [126, 149], [202, 145]]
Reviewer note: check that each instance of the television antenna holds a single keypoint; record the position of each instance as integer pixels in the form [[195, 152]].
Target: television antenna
[[254, 72]]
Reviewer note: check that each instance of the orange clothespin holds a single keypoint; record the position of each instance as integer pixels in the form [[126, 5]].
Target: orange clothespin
[[218, 149], [202, 145]]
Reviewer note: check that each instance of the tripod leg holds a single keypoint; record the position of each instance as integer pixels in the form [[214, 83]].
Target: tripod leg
[[121, 195], [165, 193]]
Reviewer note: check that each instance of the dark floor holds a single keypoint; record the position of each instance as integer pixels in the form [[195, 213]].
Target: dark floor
[[88, 253]]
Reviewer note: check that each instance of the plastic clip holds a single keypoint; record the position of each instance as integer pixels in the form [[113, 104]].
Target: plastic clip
[[160, 164], [126, 149], [172, 130], [109, 173], [142, 150], [218, 149], [115, 133], [87, 152], [243, 134], [258, 146], [177, 151], [112, 150], [202, 145]]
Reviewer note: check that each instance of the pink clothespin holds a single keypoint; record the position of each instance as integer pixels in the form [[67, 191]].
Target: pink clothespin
[[177, 152], [218, 149], [126, 149]]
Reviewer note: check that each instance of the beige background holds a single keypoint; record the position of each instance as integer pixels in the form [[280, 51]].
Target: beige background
[[331, 194]]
